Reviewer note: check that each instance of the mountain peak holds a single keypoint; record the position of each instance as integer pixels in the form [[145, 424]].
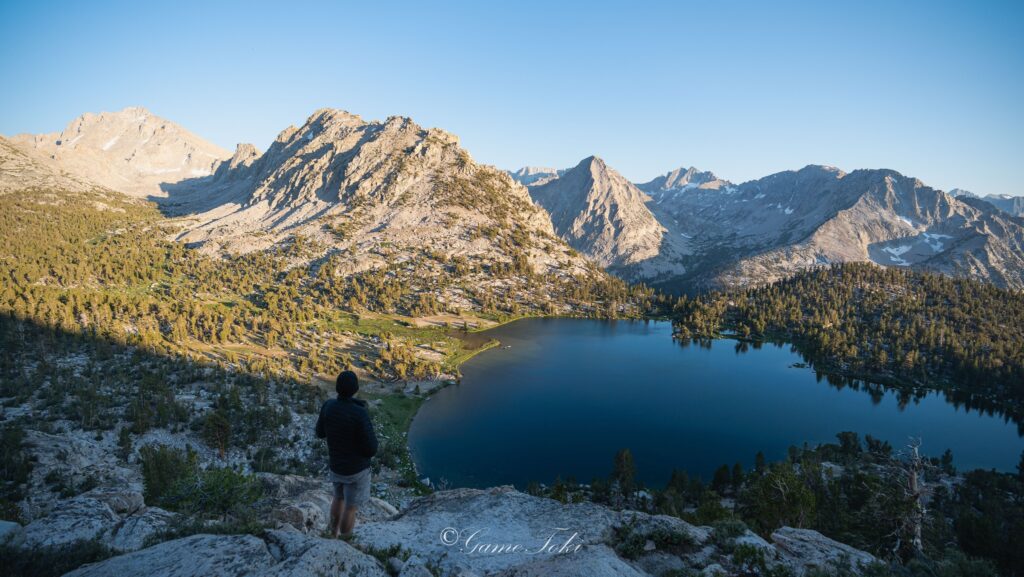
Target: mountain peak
[[327, 116], [822, 168], [535, 175], [139, 112], [246, 149], [601, 214], [681, 179], [593, 162], [129, 114], [245, 154], [130, 150], [958, 192], [391, 176]]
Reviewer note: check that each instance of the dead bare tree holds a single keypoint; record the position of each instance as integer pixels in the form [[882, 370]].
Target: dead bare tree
[[910, 526], [915, 492]]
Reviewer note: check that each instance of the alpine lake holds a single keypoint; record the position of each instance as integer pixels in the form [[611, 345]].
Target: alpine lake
[[559, 397]]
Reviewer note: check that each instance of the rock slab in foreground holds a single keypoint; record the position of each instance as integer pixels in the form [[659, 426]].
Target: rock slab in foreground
[[277, 554], [441, 535], [803, 550], [457, 531], [592, 561]]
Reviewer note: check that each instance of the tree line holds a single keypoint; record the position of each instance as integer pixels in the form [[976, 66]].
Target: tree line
[[902, 328]]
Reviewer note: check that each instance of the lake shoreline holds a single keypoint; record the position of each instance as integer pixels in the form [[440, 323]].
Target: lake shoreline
[[886, 394], [832, 369]]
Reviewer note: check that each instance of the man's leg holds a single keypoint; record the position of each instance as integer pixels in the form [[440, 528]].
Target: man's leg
[[337, 506], [348, 520], [356, 493]]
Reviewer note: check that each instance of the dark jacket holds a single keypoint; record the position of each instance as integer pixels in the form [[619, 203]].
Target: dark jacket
[[351, 441]]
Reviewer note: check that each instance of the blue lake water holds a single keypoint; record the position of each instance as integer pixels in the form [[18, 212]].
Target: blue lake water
[[561, 396]]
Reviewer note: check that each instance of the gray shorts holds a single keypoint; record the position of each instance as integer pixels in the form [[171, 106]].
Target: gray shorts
[[354, 489]]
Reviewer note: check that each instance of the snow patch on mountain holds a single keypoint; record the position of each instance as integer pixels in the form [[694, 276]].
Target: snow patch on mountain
[[934, 240], [897, 253]]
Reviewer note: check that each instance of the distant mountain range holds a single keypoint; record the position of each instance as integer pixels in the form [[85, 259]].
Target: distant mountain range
[[380, 193], [715, 234], [1011, 204], [535, 175]]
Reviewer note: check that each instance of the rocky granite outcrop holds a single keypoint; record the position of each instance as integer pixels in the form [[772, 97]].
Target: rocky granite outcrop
[[805, 550], [446, 527], [305, 503], [501, 531], [76, 458], [591, 560], [77, 519], [11, 533], [132, 532], [276, 553], [467, 532], [119, 520]]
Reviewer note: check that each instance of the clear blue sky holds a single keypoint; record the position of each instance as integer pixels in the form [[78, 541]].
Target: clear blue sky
[[932, 89]]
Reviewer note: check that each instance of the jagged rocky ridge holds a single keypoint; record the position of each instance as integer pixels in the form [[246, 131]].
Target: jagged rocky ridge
[[767, 229], [680, 179], [356, 186], [372, 195], [369, 177]]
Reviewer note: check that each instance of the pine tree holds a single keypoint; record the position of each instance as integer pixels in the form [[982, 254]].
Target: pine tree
[[624, 474]]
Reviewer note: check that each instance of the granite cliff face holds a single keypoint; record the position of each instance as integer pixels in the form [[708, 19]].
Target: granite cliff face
[[131, 151], [614, 226]]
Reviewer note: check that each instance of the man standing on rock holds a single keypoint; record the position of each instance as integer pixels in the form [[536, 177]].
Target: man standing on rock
[[351, 442]]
